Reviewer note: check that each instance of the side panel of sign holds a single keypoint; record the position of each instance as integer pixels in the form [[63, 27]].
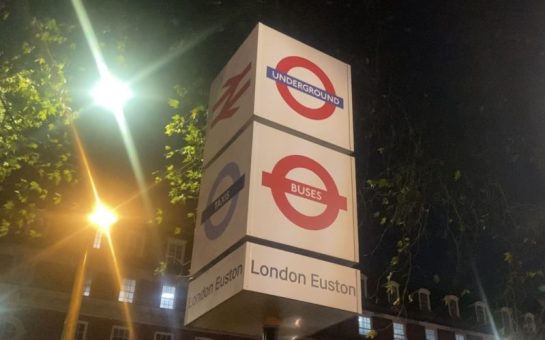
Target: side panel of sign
[[302, 194], [223, 202], [280, 273], [231, 97], [216, 285], [303, 89]]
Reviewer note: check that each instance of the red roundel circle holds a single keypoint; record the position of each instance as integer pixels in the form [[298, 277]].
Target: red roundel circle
[[322, 112], [280, 188]]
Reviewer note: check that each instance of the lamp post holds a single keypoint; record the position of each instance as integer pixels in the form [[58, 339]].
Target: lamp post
[[102, 218]]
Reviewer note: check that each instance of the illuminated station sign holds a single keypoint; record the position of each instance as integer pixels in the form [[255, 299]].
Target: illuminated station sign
[[276, 233]]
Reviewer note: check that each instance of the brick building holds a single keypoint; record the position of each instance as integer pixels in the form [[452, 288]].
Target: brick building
[[36, 280]]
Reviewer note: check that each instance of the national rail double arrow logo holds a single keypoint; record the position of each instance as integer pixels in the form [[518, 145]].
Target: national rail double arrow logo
[[231, 95], [281, 186], [216, 202], [326, 94]]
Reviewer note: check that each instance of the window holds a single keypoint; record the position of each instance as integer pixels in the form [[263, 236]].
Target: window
[[87, 287], [364, 325], [134, 243], [119, 333], [481, 314], [460, 337], [507, 320], [175, 251], [163, 336], [126, 294], [81, 331], [424, 300], [167, 297], [392, 289], [98, 240], [529, 324], [452, 305], [399, 331], [431, 334], [7, 330]]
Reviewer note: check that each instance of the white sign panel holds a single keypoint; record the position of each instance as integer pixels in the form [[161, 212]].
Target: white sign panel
[[285, 81], [216, 285], [281, 273], [295, 192], [222, 214], [232, 97], [302, 195], [303, 89], [264, 270]]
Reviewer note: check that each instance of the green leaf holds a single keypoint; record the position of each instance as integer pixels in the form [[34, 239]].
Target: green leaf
[[457, 175], [174, 103]]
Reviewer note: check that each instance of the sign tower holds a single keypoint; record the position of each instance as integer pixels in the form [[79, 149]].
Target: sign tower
[[276, 233]]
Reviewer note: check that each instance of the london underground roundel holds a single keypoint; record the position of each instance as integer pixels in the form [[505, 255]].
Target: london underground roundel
[[215, 202], [281, 187], [324, 92]]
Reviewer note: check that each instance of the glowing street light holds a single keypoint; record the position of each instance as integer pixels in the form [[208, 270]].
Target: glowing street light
[[102, 217], [111, 93]]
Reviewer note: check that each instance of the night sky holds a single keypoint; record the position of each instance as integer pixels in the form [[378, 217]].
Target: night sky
[[469, 74]]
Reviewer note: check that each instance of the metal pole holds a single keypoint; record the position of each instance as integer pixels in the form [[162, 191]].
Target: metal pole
[[270, 329], [72, 315], [270, 333]]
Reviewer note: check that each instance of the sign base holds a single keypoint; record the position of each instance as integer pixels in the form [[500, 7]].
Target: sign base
[[256, 282]]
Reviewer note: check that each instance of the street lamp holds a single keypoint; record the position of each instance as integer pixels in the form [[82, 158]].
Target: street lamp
[[111, 93], [102, 218]]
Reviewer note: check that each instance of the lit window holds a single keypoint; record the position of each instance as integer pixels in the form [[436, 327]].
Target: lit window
[[163, 336], [460, 337], [431, 334], [119, 333], [175, 251], [392, 289], [87, 287], [399, 331], [424, 299], [167, 297], [81, 331], [452, 305], [364, 325], [126, 294], [529, 325], [98, 240]]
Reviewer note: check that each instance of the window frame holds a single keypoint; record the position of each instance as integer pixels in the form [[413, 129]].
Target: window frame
[[156, 334], [85, 327], [175, 243], [506, 311], [433, 332], [171, 302], [362, 326], [97, 241], [452, 300], [459, 336], [481, 313], [127, 296], [529, 323], [402, 335], [116, 327], [427, 293]]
